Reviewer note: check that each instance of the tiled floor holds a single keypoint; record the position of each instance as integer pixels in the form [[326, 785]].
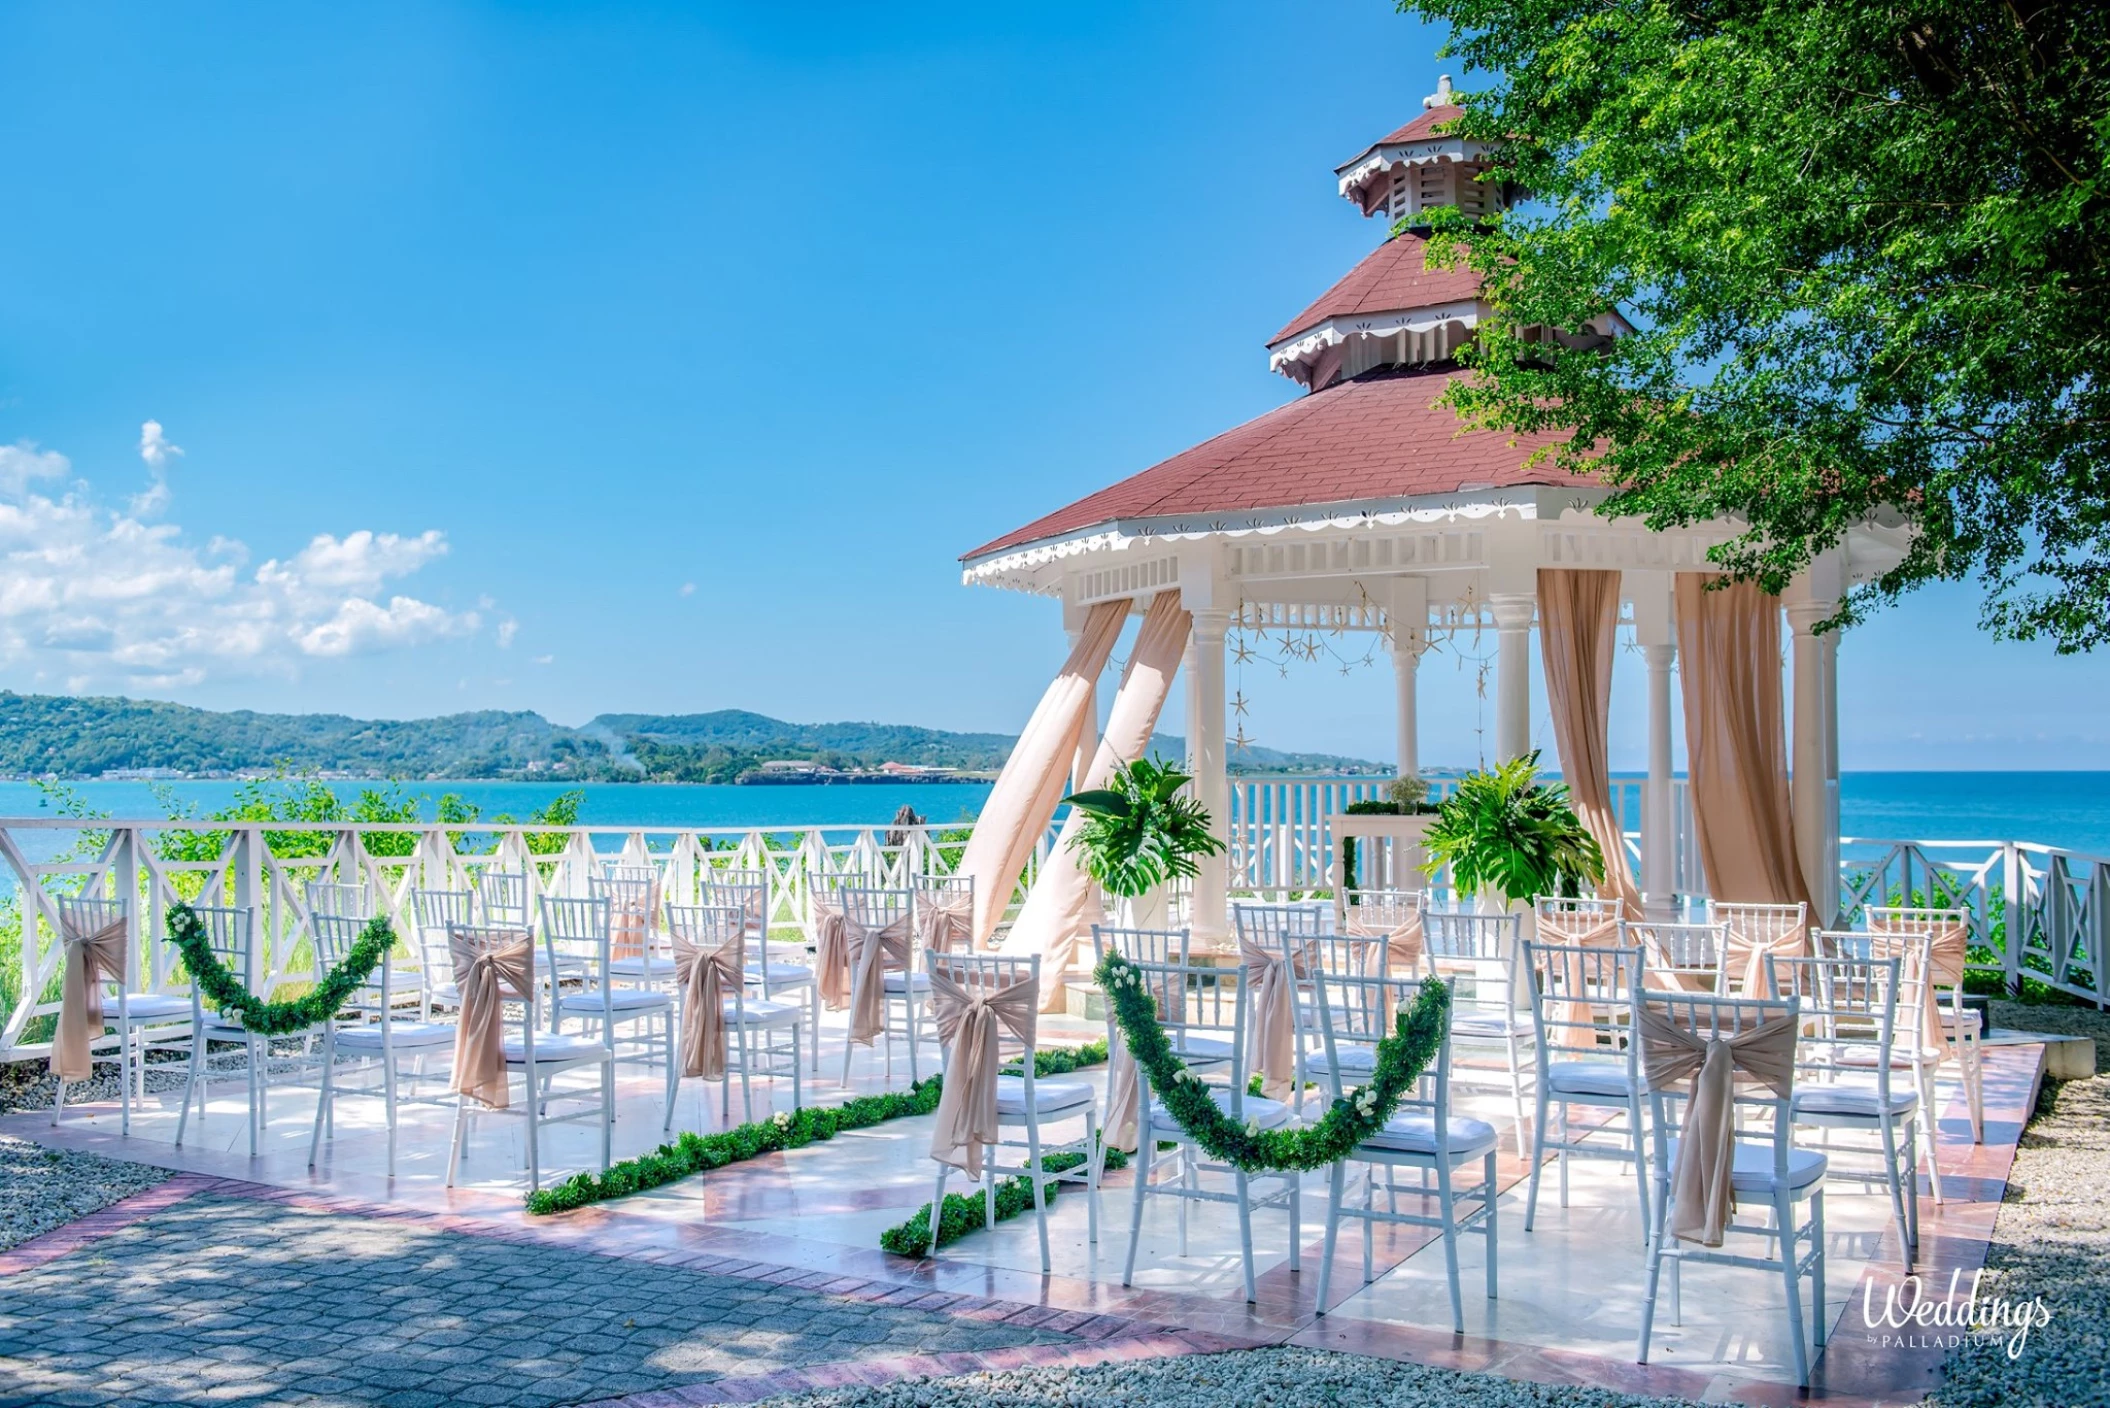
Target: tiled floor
[[1569, 1290]]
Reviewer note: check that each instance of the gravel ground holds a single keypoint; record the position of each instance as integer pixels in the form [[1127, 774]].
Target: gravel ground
[[45, 1188], [1254, 1378], [2052, 1240]]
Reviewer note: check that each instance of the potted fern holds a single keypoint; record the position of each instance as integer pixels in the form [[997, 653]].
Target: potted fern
[[1140, 833], [1509, 837]]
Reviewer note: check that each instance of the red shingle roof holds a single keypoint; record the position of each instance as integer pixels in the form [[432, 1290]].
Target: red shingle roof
[[1394, 276], [1423, 126], [1377, 436]]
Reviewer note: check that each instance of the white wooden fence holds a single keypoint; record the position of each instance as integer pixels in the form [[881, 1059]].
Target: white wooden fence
[[2056, 903]]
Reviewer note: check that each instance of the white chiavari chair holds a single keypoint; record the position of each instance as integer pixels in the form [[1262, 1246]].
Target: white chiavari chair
[[1681, 957], [750, 1029], [1843, 1064], [1478, 955], [778, 971], [1010, 988], [886, 979], [1960, 1033], [366, 1028], [1198, 1008], [133, 1014], [1359, 1010], [1755, 931], [577, 937], [1757, 1036], [1582, 1007], [230, 932], [1909, 1050], [539, 1058], [436, 912]]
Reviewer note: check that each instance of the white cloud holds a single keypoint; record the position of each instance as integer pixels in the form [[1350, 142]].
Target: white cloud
[[507, 629], [102, 599], [156, 448], [545, 659], [23, 464], [688, 589]]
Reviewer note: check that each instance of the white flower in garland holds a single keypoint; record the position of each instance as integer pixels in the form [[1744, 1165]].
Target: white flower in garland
[[782, 1119]]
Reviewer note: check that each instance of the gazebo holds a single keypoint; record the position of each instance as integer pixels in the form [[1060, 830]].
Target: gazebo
[[1364, 505]]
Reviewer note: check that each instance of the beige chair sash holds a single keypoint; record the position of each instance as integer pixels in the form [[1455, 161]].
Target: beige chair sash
[[873, 954], [1700, 1182], [1271, 1031], [1401, 931], [1750, 940], [971, 1019], [945, 920], [1574, 1012], [1945, 956], [90, 959], [486, 973], [705, 976], [630, 924], [831, 952]]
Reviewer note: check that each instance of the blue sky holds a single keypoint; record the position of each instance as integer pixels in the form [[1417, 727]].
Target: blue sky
[[620, 357]]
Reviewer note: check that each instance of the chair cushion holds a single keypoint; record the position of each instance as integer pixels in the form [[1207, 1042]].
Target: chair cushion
[[781, 975], [1049, 1096], [626, 1000], [1587, 1078], [1753, 1170], [402, 1036], [656, 966], [760, 1013], [1352, 1059], [1269, 1113], [1851, 1100], [1195, 1046], [1416, 1134], [1485, 1024], [446, 992], [899, 982], [549, 1048], [148, 1007]]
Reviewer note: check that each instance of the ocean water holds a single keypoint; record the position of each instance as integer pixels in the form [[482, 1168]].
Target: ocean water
[[2067, 809]]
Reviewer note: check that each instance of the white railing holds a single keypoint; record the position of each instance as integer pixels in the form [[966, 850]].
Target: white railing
[[268, 867], [2056, 901], [1281, 842]]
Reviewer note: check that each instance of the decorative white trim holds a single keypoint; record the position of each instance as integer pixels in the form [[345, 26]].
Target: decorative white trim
[[1016, 568], [1332, 332], [1382, 158]]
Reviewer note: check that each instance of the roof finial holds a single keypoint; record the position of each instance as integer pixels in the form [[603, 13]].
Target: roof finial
[[1441, 98]]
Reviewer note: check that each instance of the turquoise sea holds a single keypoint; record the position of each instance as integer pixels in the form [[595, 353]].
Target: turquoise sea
[[2069, 809]]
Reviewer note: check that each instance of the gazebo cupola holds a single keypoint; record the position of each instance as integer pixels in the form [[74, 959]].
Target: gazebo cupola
[[1394, 309]]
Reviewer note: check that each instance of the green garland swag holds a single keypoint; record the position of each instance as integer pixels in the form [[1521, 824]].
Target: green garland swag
[[694, 1153], [226, 993], [968, 1212], [1401, 1058]]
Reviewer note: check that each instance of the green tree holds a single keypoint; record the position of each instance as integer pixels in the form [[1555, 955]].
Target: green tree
[[1863, 247]]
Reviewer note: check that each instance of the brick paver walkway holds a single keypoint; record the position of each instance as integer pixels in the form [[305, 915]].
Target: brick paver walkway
[[221, 1299]]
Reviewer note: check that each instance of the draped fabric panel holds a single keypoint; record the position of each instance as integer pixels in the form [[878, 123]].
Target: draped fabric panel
[[1736, 752], [1578, 626], [1059, 913], [1031, 784]]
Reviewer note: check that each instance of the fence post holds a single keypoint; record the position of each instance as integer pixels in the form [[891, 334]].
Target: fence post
[[2098, 925], [2011, 915]]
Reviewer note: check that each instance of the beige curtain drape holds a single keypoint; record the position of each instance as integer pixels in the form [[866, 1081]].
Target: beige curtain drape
[[1578, 632], [1032, 782], [1736, 742], [1059, 912]]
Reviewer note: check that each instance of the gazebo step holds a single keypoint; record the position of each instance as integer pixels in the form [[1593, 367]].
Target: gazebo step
[[1083, 999]]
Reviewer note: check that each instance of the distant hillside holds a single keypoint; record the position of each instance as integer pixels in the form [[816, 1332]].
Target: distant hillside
[[87, 737]]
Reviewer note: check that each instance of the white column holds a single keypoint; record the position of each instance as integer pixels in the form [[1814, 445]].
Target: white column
[[1408, 618], [1813, 754], [1406, 666], [1658, 842], [1513, 613], [1212, 784]]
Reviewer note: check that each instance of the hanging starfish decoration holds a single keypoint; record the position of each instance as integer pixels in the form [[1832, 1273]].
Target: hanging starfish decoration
[[1238, 704], [1241, 653], [1238, 738]]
